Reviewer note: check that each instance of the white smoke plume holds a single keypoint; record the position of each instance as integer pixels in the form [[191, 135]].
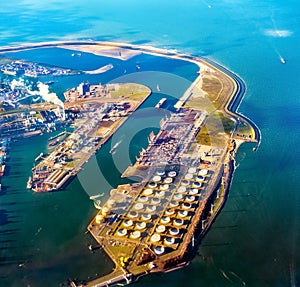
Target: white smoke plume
[[46, 95], [17, 83], [49, 97]]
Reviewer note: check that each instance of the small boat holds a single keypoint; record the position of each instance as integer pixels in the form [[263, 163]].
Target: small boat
[[93, 197], [114, 148], [137, 66], [49, 83], [29, 183], [282, 60], [158, 88]]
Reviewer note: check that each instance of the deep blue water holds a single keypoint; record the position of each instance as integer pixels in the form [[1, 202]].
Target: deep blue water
[[255, 240]]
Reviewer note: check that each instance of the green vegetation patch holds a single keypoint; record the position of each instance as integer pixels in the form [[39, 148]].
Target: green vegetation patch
[[203, 137], [228, 123], [245, 130], [130, 90], [212, 86]]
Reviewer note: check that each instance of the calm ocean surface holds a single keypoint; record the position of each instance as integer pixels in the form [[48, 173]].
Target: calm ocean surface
[[255, 240]]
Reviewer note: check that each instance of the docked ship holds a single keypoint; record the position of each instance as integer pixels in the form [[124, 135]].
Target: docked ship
[[53, 143], [160, 103], [39, 157]]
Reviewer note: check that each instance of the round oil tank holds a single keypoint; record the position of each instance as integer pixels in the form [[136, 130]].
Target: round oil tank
[[172, 173], [160, 173], [194, 191], [178, 222], [159, 250], [168, 180], [141, 225], [170, 240], [146, 216], [170, 211], [165, 219], [196, 184], [200, 178], [152, 184], [160, 194], [132, 214], [188, 176], [155, 200], [178, 196], [105, 210], [186, 205], [190, 198], [181, 189], [135, 234], [185, 182], [151, 208], [182, 213], [156, 178], [164, 186], [147, 191], [160, 229], [174, 231], [143, 198], [138, 206], [203, 172], [192, 170], [128, 222], [99, 218], [155, 237], [122, 232], [174, 203]]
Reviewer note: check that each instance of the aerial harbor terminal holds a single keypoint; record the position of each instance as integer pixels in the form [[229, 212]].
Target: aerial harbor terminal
[[186, 169]]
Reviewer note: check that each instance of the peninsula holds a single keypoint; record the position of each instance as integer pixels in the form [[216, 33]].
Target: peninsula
[[186, 170]]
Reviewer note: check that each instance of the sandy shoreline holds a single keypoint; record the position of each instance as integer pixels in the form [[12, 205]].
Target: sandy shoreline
[[106, 51], [100, 70], [126, 51]]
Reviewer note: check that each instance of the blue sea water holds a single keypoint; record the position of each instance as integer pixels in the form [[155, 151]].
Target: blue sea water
[[255, 240]]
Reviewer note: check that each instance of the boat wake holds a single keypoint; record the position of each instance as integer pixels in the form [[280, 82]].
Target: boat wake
[[38, 231], [238, 277], [233, 278], [225, 276]]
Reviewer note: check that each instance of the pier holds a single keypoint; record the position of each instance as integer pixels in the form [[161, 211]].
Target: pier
[[104, 109]]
